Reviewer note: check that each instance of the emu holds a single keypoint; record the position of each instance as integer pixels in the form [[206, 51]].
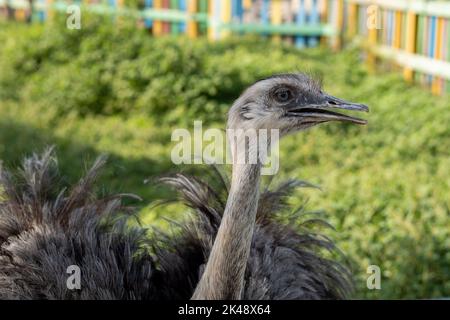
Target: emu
[[239, 245]]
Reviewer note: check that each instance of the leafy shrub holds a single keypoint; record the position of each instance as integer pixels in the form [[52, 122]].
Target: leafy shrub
[[125, 70]]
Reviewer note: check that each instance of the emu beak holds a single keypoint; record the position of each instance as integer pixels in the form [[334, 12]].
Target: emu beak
[[320, 112]]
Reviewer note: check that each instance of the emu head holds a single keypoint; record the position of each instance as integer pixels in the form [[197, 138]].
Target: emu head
[[289, 103]]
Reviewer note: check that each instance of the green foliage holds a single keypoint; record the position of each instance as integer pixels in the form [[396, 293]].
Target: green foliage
[[102, 69], [112, 88]]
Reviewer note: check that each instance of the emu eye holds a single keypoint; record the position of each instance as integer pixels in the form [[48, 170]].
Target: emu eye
[[283, 95]]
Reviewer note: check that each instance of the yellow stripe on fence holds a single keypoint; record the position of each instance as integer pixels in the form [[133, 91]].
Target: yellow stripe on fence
[[411, 27], [324, 17], [436, 87], [276, 15], [50, 11], [225, 16], [372, 34], [157, 24], [339, 23], [247, 4], [192, 26], [398, 30], [352, 19]]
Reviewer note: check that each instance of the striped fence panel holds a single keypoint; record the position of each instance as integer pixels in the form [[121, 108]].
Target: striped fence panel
[[302, 22], [413, 34]]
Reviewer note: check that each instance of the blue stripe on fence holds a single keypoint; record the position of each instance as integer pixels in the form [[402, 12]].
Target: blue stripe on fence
[[148, 4], [265, 8], [300, 42], [182, 5], [237, 11], [431, 39], [314, 19]]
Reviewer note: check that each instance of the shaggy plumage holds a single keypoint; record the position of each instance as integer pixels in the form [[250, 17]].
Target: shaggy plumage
[[44, 228]]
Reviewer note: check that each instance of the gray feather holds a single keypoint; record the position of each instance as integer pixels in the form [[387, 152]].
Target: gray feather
[[46, 227]]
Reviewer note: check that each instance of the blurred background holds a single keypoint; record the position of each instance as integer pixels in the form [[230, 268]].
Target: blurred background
[[132, 71]]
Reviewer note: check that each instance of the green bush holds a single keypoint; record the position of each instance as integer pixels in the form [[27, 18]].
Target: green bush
[[102, 69], [113, 88]]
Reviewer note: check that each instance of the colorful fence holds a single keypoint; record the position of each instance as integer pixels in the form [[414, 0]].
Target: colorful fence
[[415, 34], [303, 22]]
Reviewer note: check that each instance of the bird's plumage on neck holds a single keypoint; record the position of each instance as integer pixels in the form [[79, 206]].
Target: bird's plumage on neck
[[223, 277], [287, 103]]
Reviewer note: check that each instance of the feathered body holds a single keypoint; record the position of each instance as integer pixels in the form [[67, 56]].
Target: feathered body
[[44, 228]]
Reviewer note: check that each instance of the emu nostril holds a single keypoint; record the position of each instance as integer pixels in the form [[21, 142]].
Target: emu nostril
[[332, 102]]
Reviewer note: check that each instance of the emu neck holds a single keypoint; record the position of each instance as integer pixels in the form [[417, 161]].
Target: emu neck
[[223, 277]]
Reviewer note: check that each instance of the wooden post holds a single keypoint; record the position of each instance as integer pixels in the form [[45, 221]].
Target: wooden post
[[447, 83], [372, 33], [436, 86], [157, 24], [371, 58], [324, 11], [247, 4], [339, 24], [225, 17], [276, 16], [20, 12], [398, 30], [352, 19], [192, 26], [411, 36]]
